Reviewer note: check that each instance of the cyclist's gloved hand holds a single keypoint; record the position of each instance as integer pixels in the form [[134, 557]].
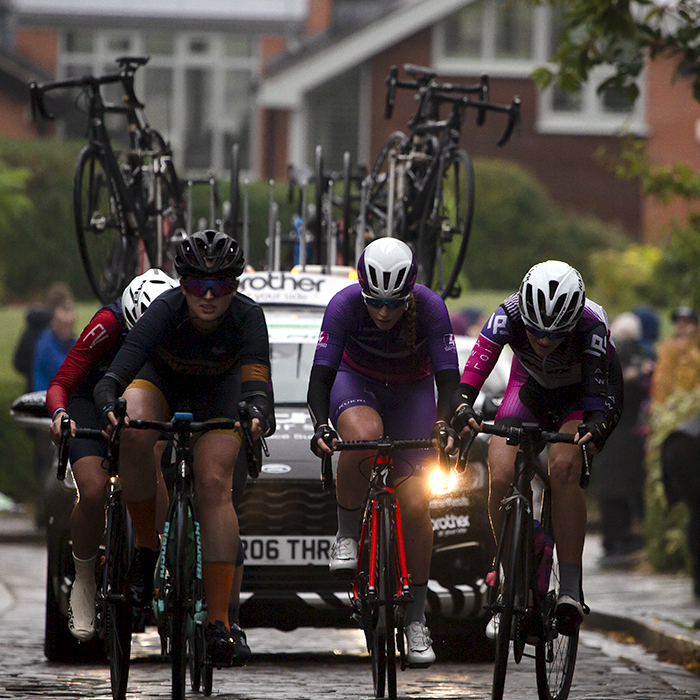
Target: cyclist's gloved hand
[[325, 434], [255, 412], [462, 416], [451, 433], [597, 429]]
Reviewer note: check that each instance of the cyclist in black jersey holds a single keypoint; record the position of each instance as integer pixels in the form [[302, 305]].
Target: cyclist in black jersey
[[199, 348]]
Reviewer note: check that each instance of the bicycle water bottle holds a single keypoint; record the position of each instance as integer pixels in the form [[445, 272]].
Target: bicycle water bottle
[[544, 551]]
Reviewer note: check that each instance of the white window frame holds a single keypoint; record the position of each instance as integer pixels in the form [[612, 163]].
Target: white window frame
[[215, 60], [592, 119]]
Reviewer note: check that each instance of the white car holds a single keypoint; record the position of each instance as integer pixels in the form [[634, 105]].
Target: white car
[[288, 522]]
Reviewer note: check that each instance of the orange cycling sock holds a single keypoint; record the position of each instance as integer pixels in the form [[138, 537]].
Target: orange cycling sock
[[217, 577], [143, 516]]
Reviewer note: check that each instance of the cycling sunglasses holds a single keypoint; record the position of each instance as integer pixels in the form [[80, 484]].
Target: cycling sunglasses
[[391, 304], [541, 335], [219, 288]]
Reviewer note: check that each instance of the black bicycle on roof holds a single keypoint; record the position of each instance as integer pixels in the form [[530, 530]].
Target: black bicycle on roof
[[421, 187], [113, 621], [380, 588], [123, 200], [522, 602]]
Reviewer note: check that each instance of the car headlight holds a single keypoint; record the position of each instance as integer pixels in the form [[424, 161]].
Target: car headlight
[[441, 485]]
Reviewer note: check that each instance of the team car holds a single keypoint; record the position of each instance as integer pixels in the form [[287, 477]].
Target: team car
[[288, 522]]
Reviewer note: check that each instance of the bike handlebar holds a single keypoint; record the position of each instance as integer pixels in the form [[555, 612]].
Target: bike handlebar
[[129, 65], [91, 433], [386, 445], [528, 433]]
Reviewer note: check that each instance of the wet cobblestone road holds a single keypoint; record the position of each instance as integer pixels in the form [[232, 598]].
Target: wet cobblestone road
[[301, 665]]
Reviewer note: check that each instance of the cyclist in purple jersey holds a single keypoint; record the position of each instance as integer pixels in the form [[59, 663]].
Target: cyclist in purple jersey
[[384, 345], [565, 376]]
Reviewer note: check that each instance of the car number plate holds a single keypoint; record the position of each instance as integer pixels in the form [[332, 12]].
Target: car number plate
[[287, 550]]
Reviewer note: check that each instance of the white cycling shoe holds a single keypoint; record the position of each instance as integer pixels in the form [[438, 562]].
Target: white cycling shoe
[[419, 649], [492, 626], [344, 557], [81, 608]]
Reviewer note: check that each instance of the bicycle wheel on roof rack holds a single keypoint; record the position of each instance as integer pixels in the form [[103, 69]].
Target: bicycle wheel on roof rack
[[445, 225], [108, 248], [376, 196]]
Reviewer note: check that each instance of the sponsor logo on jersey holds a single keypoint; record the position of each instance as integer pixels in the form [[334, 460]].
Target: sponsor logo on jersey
[[98, 334], [322, 339]]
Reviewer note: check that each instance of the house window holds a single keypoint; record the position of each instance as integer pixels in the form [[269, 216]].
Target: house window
[[509, 38], [197, 88]]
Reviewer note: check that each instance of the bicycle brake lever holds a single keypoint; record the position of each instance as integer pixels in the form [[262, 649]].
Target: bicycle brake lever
[[63, 448], [513, 119], [585, 469], [327, 472], [464, 447]]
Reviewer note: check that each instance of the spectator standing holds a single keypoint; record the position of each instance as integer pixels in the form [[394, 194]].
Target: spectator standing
[[678, 357], [36, 320], [52, 347], [619, 474]]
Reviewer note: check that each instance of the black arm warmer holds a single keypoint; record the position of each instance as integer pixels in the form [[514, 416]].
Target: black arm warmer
[[465, 393], [106, 394], [446, 381], [318, 397]]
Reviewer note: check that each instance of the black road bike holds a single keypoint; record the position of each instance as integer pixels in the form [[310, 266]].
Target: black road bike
[[421, 186], [526, 614], [125, 201], [113, 619], [179, 604], [380, 589]]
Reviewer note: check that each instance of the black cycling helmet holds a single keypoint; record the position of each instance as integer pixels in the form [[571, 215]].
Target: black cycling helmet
[[211, 254]]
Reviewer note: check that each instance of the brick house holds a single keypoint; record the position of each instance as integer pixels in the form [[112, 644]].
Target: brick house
[[330, 90]]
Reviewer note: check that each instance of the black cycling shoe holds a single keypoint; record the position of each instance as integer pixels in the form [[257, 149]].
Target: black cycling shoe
[[140, 578], [242, 653], [220, 645]]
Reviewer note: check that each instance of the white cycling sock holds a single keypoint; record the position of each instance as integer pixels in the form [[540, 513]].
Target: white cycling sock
[[82, 599]]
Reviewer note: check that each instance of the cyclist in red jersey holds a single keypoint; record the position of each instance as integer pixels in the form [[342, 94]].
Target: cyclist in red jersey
[[198, 348], [70, 393], [566, 377]]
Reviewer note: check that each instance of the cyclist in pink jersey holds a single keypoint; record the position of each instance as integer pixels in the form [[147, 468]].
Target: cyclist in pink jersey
[[384, 346], [565, 376]]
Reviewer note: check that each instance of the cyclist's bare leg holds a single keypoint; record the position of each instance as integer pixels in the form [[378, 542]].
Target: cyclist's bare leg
[[356, 423], [501, 461], [214, 459], [137, 463], [568, 500], [414, 500], [88, 517]]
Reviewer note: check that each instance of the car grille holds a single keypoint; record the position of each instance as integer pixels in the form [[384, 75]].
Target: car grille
[[287, 508]]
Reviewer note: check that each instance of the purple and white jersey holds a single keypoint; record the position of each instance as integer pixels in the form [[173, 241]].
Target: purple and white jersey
[[350, 336], [583, 358]]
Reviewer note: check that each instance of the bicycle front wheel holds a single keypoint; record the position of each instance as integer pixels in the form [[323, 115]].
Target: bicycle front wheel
[[386, 624], [555, 654], [182, 604], [116, 611], [445, 225], [509, 592], [108, 249]]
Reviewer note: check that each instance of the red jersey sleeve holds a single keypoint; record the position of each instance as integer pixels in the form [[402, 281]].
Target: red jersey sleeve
[[97, 338]]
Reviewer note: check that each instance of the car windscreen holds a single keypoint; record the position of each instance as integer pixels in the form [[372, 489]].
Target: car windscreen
[[291, 366]]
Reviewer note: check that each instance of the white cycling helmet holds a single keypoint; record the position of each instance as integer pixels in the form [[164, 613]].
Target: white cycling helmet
[[387, 269], [141, 291], [552, 296]]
